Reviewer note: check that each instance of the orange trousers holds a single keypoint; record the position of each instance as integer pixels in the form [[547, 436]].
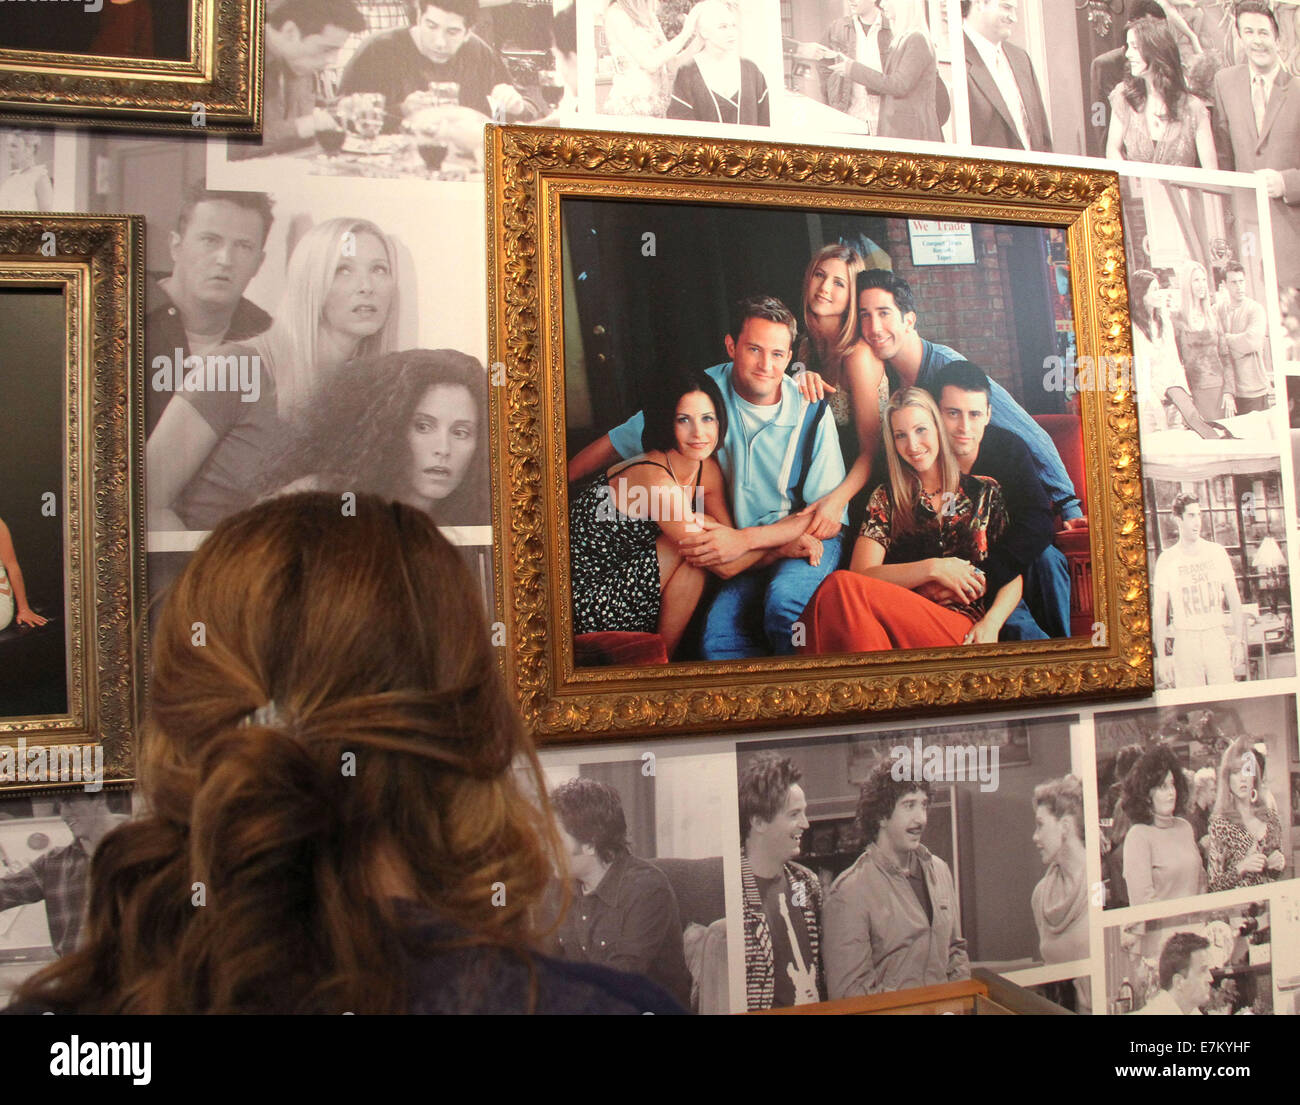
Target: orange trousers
[[853, 613]]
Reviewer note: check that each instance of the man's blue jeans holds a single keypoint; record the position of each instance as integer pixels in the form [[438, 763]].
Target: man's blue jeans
[[754, 613], [1045, 609]]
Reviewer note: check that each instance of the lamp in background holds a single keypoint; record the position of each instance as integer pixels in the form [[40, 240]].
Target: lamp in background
[[1268, 557]]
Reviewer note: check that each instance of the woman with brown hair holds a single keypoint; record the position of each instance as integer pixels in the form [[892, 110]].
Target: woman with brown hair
[[1154, 115], [345, 814], [1161, 859]]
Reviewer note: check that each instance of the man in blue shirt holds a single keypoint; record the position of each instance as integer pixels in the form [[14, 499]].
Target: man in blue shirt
[[780, 453], [887, 316]]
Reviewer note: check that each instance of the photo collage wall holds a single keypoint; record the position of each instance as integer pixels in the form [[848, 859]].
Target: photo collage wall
[[1089, 853]]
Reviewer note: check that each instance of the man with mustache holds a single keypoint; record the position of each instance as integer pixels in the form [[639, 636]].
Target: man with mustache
[[891, 919]]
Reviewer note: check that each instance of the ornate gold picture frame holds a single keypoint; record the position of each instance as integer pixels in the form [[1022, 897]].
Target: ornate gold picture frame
[[205, 77], [72, 638], [583, 327]]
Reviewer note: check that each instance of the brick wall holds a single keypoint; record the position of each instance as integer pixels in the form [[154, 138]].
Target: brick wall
[[965, 306]]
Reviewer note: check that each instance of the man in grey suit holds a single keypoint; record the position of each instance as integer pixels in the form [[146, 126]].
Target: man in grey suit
[[1006, 104], [1258, 105]]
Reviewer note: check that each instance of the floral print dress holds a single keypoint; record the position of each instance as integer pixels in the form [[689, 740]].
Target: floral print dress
[[965, 525]]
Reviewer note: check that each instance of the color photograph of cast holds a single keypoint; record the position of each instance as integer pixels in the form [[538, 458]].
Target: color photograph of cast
[[899, 881], [1195, 799], [1217, 963], [641, 889], [113, 28], [843, 482]]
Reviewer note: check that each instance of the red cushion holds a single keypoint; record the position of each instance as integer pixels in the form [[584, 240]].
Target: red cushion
[[596, 650], [1066, 435]]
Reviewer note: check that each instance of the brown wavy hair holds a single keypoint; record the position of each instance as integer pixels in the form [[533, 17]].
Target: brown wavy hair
[[298, 636]]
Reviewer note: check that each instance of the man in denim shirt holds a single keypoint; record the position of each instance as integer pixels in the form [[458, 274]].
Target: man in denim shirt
[[890, 921], [623, 913], [771, 568]]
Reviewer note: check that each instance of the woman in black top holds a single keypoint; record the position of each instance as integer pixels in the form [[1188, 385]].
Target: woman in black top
[[625, 528]]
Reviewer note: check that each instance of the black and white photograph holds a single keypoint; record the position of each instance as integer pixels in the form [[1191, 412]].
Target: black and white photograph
[[1166, 82], [1290, 307], [645, 881], [1006, 46], [1286, 953], [402, 89], [46, 845], [1128, 79], [1293, 423], [286, 347], [1201, 345], [1217, 962], [904, 858], [870, 67], [1195, 799], [1217, 540], [867, 318], [704, 61], [33, 567], [1074, 994], [26, 170], [37, 169]]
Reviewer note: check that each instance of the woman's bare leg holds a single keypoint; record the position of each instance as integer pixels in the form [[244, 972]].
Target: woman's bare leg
[[681, 586]]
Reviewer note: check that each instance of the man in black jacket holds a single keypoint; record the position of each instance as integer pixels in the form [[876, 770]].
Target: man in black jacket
[[1026, 549]]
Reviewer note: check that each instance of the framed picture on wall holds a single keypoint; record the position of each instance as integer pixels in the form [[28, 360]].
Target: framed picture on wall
[[191, 66], [795, 433], [71, 557]]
